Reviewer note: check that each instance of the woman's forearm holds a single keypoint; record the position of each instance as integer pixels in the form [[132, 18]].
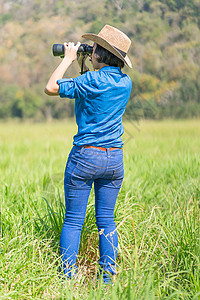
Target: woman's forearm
[[52, 88]]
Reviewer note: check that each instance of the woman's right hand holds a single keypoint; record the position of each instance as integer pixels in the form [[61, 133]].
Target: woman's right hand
[[71, 50]]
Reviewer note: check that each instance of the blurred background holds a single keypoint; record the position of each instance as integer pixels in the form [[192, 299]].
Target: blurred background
[[165, 54]]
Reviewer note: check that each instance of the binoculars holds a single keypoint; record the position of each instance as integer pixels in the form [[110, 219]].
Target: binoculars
[[59, 49]]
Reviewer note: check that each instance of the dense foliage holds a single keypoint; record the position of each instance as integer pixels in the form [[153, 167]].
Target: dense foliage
[[165, 53]]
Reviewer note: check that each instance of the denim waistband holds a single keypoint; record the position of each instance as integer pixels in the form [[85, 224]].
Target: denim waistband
[[101, 148]]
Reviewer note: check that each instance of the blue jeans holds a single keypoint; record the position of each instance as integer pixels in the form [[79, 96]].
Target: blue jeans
[[105, 169]]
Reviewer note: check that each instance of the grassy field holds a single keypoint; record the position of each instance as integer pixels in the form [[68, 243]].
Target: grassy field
[[157, 214]]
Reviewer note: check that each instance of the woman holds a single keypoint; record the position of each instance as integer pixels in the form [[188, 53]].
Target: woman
[[97, 156]]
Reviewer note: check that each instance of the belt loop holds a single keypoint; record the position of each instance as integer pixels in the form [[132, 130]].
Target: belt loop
[[82, 150], [108, 152]]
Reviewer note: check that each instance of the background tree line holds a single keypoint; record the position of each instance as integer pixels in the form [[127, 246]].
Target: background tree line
[[165, 36]]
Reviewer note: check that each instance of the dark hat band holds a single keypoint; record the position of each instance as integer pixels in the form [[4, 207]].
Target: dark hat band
[[120, 51]]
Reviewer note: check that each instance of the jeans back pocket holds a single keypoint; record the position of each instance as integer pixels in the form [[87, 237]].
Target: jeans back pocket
[[82, 174], [118, 176]]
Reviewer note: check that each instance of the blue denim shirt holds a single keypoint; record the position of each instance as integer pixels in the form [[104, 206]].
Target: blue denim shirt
[[100, 101]]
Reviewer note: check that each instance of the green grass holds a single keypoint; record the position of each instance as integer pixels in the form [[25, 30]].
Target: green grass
[[157, 214]]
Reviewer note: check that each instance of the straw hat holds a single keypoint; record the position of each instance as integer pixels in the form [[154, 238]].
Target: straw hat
[[113, 40]]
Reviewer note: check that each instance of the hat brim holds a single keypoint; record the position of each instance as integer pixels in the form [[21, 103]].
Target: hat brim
[[102, 42]]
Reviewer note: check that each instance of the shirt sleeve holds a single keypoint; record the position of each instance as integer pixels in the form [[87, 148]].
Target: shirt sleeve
[[72, 87], [66, 88]]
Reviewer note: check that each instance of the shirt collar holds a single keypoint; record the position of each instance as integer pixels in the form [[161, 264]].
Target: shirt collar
[[110, 69]]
